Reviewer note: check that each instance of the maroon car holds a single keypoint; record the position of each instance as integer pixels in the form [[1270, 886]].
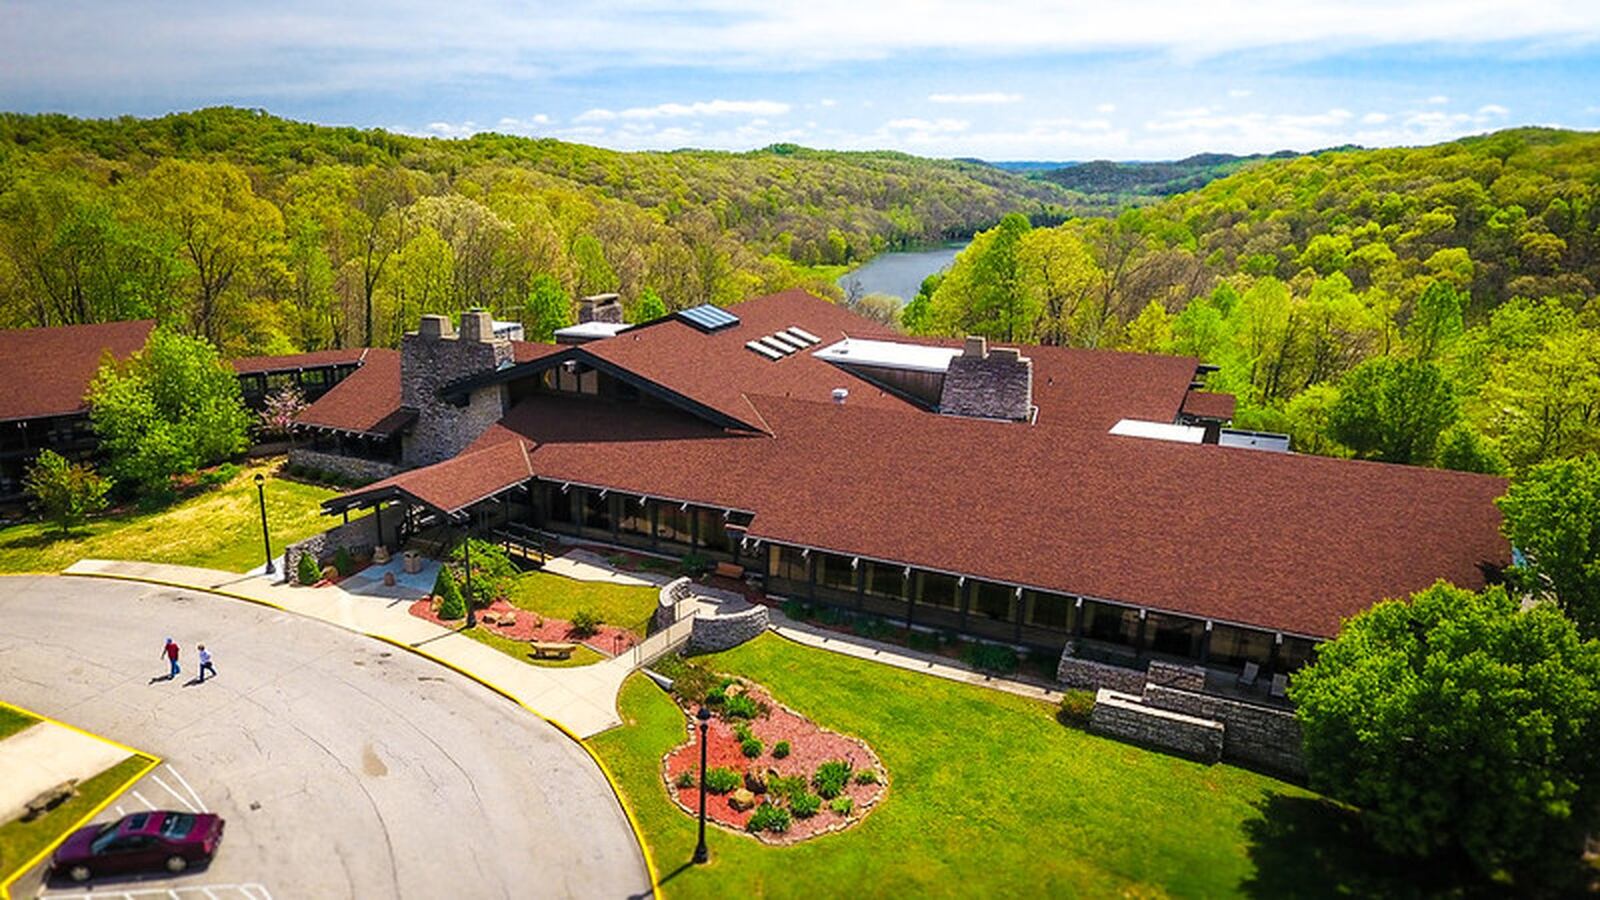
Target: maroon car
[[138, 843]]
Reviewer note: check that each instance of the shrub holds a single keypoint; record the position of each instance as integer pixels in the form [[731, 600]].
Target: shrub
[[741, 706], [741, 732], [842, 805], [451, 605], [585, 622], [769, 818], [694, 564], [798, 610], [715, 696], [686, 779], [344, 562], [921, 640], [786, 786], [750, 747], [780, 750], [306, 570], [492, 571], [691, 681], [990, 657], [805, 805], [831, 777], [874, 628], [827, 615], [220, 475], [66, 492], [1075, 707], [721, 779], [867, 776]]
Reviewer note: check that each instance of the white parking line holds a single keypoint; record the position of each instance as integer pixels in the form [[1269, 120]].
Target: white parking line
[[248, 890], [147, 803], [181, 798], [188, 787]]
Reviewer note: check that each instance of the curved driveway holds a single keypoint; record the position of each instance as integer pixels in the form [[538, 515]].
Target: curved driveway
[[345, 768]]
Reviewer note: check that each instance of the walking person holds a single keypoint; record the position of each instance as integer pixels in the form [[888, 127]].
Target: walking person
[[205, 663], [170, 651]]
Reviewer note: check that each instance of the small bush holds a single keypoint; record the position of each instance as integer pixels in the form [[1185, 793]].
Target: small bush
[[694, 564], [720, 780], [769, 818], [831, 777], [716, 696], [780, 750], [741, 732], [921, 640], [741, 706], [874, 628], [1075, 707], [344, 562], [827, 615], [798, 610], [805, 805], [686, 779], [585, 622], [451, 604], [691, 681], [786, 786], [220, 475], [306, 570], [751, 747], [867, 776], [842, 805], [990, 657]]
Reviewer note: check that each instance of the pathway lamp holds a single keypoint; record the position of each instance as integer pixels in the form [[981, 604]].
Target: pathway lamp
[[266, 540], [701, 853], [466, 556]]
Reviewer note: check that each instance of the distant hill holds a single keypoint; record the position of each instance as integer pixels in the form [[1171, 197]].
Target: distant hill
[[1151, 179]]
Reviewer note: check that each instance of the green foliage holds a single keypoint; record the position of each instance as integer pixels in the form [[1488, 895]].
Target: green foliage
[[219, 475], [1552, 515], [170, 409], [694, 564], [686, 779], [771, 818], [344, 562], [586, 622], [451, 604], [842, 805], [1460, 723], [1462, 448], [307, 573], [649, 308], [867, 776], [805, 805], [66, 493], [831, 777], [1436, 321], [990, 657], [780, 750], [691, 681], [547, 308], [1393, 410], [787, 786], [493, 573], [721, 780], [799, 610], [751, 747], [1076, 706], [741, 706]]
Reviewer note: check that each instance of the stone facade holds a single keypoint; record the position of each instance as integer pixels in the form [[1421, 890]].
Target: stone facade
[[988, 384], [667, 601], [1172, 675], [722, 632], [1122, 716], [601, 308], [433, 357], [1073, 672], [1256, 735], [359, 537], [349, 468]]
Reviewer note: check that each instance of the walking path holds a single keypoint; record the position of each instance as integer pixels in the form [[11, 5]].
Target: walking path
[[45, 754]]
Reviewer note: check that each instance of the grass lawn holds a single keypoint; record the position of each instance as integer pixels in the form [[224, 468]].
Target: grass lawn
[[20, 840], [515, 649], [219, 529], [989, 796], [13, 721], [556, 597]]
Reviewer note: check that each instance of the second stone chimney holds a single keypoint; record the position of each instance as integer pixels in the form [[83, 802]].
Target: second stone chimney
[[988, 384], [434, 356], [600, 308]]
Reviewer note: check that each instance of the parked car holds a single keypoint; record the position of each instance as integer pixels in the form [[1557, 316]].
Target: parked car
[[141, 842]]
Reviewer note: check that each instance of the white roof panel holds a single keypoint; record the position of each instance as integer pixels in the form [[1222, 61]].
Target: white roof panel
[[592, 329], [1160, 431], [889, 355], [763, 349]]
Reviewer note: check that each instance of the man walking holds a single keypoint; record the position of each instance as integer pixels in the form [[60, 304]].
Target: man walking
[[170, 651], [205, 663]]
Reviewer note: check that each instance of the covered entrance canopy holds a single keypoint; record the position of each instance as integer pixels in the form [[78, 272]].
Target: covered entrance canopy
[[448, 488]]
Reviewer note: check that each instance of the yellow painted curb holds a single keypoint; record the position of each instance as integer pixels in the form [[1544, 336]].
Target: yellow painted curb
[[627, 809], [5, 886]]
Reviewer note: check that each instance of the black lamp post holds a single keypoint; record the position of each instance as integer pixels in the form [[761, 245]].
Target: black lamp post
[[466, 555], [266, 541], [701, 853]]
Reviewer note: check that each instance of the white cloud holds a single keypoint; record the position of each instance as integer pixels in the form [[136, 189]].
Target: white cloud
[[688, 110], [1374, 118], [452, 129], [1106, 108], [1493, 109], [1438, 100], [988, 98], [827, 101], [1239, 93]]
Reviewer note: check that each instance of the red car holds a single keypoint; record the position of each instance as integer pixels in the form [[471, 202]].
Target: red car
[[138, 843]]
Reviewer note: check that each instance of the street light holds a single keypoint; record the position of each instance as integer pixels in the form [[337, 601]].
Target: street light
[[466, 554], [266, 541], [701, 854]]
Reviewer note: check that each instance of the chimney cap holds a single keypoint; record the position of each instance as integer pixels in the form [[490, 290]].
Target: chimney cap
[[977, 346]]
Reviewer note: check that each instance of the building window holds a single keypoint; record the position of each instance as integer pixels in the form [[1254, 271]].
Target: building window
[[835, 573], [314, 377], [884, 580], [635, 518], [1294, 654], [674, 523], [935, 589], [713, 531], [994, 601], [1110, 624], [1175, 635], [597, 511], [787, 563], [1053, 611], [560, 505], [1233, 647]]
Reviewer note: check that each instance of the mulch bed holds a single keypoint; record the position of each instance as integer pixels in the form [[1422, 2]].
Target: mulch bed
[[608, 640], [810, 746]]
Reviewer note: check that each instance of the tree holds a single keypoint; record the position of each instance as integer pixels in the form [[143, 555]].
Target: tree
[[1552, 516], [1151, 331], [595, 275], [66, 492], [1464, 449], [1393, 410], [1460, 724], [282, 407], [1436, 320], [172, 407], [548, 308], [649, 307], [451, 605], [1545, 402]]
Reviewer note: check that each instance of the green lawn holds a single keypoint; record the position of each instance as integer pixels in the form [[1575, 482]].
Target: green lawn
[[989, 796], [13, 721], [219, 528], [20, 840], [558, 597], [515, 649]]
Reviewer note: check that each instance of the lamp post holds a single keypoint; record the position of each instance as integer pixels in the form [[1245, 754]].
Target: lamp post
[[466, 555], [266, 541], [701, 853]]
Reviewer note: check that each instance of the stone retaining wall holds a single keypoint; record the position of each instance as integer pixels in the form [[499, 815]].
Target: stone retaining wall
[[667, 603], [348, 468], [1073, 672], [1187, 678], [712, 633], [1123, 716], [1257, 735], [359, 537]]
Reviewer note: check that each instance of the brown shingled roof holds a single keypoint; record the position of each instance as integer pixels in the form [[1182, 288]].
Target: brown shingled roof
[[253, 365], [1206, 405], [46, 371], [367, 401], [461, 481]]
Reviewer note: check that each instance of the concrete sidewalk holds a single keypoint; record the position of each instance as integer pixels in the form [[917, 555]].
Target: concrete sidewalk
[[45, 754], [581, 699]]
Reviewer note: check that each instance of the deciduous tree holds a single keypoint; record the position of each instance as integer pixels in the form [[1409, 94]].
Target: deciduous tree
[[67, 493], [1552, 516]]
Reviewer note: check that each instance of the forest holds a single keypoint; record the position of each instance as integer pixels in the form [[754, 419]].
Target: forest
[[1429, 305], [270, 236]]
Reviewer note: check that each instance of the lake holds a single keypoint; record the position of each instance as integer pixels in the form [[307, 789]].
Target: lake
[[899, 274]]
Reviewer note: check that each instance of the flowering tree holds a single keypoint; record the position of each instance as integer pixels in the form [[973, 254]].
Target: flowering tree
[[283, 405]]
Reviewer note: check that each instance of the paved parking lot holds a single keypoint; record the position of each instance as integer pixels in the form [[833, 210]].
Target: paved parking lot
[[344, 767]]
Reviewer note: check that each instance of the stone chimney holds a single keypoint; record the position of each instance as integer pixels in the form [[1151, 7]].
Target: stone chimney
[[988, 384], [600, 308], [434, 356]]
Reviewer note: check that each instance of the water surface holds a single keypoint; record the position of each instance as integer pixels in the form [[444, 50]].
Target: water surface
[[899, 274]]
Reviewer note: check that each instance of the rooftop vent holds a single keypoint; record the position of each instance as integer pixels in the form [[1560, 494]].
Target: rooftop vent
[[779, 344], [840, 395], [708, 318]]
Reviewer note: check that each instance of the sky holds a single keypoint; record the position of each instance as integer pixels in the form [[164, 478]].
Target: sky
[[999, 80]]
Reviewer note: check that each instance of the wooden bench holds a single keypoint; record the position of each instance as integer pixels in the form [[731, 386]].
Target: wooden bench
[[729, 570], [50, 799], [552, 649]]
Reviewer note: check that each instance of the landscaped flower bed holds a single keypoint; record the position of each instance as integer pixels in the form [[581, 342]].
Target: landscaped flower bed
[[771, 771], [528, 626]]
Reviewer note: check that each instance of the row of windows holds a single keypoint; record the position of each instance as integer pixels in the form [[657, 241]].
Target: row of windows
[[623, 514]]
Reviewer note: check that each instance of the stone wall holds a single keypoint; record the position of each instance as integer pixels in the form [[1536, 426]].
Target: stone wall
[[1122, 716], [1187, 678], [1073, 672], [719, 632], [1256, 735], [433, 357], [667, 603], [359, 537], [989, 384], [349, 468]]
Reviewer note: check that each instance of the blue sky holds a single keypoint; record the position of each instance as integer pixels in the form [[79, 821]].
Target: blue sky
[[1136, 79]]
